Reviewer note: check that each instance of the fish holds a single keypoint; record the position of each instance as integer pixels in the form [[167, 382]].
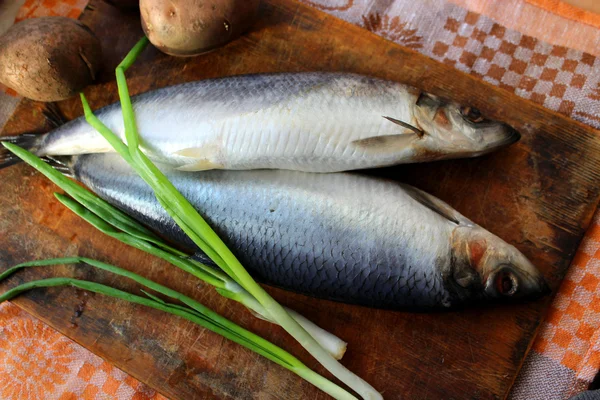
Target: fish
[[311, 122], [344, 237]]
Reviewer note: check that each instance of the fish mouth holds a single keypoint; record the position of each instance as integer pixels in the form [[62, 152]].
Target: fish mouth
[[509, 136], [513, 135], [499, 135]]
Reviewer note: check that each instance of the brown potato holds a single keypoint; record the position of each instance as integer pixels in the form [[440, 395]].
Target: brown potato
[[49, 58], [191, 27]]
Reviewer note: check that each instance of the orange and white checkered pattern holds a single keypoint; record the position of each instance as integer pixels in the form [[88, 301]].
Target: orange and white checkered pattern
[[565, 356], [556, 77], [45, 8], [37, 362], [571, 332], [559, 78]]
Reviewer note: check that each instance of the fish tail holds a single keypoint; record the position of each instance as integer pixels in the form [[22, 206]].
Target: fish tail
[[63, 164], [28, 141]]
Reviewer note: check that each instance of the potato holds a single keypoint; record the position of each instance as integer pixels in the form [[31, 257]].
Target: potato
[[191, 27], [49, 58]]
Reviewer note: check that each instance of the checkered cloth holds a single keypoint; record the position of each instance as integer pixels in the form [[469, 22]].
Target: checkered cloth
[[44, 8], [560, 78], [36, 362], [566, 354], [547, 74], [542, 50]]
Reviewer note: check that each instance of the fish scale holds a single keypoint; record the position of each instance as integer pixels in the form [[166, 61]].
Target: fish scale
[[344, 237], [305, 251]]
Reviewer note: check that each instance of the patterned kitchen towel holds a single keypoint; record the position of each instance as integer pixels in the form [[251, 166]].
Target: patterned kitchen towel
[[510, 43], [566, 353], [542, 50], [37, 362]]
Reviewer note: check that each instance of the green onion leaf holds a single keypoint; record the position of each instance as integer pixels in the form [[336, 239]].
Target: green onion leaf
[[192, 311]]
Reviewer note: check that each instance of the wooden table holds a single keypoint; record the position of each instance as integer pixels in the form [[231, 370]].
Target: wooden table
[[539, 194]]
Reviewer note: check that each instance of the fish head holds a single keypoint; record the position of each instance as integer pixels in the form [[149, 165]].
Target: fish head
[[453, 131], [485, 267]]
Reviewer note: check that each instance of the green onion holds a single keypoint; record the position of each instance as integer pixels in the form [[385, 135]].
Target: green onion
[[186, 216], [111, 221], [223, 284], [192, 311], [200, 232]]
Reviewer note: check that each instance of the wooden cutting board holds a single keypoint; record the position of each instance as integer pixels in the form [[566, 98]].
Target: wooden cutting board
[[539, 194]]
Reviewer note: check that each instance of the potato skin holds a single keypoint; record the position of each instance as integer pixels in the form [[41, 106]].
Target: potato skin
[[192, 27], [49, 58]]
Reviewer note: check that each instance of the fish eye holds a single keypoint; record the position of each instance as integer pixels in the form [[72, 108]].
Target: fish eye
[[472, 114], [507, 283]]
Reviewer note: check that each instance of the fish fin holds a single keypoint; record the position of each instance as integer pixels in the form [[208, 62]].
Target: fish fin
[[63, 164], [28, 141], [199, 165], [406, 125], [192, 152], [204, 158], [388, 143], [434, 204], [206, 152]]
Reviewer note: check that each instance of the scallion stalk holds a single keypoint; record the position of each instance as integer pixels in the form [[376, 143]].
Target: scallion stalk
[[202, 234], [192, 311], [112, 222]]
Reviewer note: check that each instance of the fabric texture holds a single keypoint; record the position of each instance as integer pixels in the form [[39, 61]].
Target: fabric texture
[[37, 362], [542, 50], [565, 356]]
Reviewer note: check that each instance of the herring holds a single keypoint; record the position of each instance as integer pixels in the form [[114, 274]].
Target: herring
[[343, 237], [316, 122]]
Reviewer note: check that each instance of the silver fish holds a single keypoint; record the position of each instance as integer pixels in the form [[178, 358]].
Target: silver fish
[[343, 237], [317, 122]]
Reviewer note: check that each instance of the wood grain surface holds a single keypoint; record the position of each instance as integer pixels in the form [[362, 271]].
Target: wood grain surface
[[539, 194]]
